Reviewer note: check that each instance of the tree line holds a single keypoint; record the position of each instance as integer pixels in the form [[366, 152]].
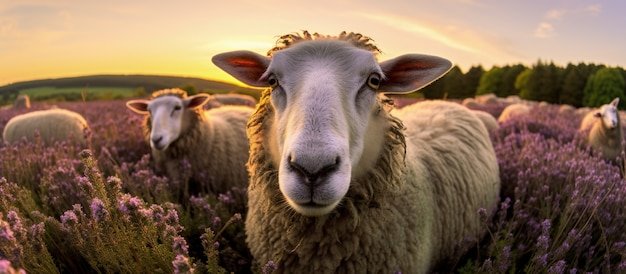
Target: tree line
[[578, 85]]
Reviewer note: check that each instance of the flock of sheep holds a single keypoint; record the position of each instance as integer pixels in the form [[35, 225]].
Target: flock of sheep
[[339, 180]]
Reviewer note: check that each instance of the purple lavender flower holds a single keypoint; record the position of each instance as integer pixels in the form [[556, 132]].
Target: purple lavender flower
[[98, 210], [269, 267], [69, 218], [180, 245], [182, 265]]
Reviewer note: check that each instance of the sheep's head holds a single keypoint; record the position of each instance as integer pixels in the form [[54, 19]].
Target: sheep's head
[[609, 114], [326, 128], [167, 116]]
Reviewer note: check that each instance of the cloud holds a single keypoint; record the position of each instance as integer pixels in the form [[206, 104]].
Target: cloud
[[544, 30], [421, 29], [560, 14]]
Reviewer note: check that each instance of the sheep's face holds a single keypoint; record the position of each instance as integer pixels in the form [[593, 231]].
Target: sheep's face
[[609, 114], [167, 116], [326, 129]]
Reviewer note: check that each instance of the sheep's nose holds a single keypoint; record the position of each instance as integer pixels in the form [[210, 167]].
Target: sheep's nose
[[313, 173], [156, 141]]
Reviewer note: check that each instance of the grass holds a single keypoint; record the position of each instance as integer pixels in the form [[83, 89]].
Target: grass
[[40, 93]]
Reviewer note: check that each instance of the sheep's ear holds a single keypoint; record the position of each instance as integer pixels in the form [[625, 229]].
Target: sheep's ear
[[615, 102], [196, 101], [245, 66], [138, 106], [410, 72], [597, 114]]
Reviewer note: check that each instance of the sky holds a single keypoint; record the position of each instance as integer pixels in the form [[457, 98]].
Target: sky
[[42, 39]]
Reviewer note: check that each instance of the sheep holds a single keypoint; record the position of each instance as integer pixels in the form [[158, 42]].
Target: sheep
[[218, 100], [513, 110], [213, 142], [337, 184], [21, 102], [604, 134], [51, 125], [486, 99], [471, 103], [487, 119]]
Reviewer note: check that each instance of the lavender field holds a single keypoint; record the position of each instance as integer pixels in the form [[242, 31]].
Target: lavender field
[[103, 210]]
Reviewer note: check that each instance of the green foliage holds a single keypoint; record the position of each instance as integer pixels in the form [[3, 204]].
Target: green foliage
[[491, 81], [189, 88], [542, 84], [603, 86]]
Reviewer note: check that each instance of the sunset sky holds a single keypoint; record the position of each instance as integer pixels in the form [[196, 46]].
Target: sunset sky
[[52, 39]]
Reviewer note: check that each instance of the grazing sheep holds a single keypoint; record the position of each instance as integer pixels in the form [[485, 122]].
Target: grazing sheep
[[218, 100], [605, 130], [486, 99], [337, 185], [213, 142], [513, 110], [567, 109], [471, 103], [52, 125], [488, 120], [22, 101]]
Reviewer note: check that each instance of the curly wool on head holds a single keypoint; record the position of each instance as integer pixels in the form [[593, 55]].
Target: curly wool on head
[[356, 39]]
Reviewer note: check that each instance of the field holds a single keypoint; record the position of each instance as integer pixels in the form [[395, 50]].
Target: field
[[39, 93], [103, 210]]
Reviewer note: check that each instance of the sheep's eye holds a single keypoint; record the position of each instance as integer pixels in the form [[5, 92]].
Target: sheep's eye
[[373, 81], [177, 107], [272, 81]]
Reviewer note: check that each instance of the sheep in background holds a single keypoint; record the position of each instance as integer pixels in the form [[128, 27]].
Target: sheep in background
[[486, 99], [471, 103], [213, 142], [218, 100], [337, 185], [487, 119], [567, 109], [52, 125], [22, 101], [605, 131], [513, 110]]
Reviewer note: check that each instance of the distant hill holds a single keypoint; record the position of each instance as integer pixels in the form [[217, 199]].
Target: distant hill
[[149, 83]]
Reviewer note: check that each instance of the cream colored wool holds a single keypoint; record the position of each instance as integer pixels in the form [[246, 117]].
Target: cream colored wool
[[52, 125], [218, 100], [488, 120], [513, 110]]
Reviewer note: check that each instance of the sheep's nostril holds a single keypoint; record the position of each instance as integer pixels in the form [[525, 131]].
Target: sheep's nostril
[[312, 172], [156, 140]]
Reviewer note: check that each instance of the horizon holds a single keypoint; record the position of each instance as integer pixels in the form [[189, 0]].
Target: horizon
[[41, 40]]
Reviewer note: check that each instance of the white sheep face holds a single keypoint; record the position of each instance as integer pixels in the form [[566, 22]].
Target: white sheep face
[[609, 114], [326, 129], [167, 116], [322, 111]]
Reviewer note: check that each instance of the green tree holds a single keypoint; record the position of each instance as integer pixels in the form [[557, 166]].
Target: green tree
[[521, 83], [490, 82], [471, 80], [509, 75], [189, 88], [603, 86], [542, 84], [453, 83]]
